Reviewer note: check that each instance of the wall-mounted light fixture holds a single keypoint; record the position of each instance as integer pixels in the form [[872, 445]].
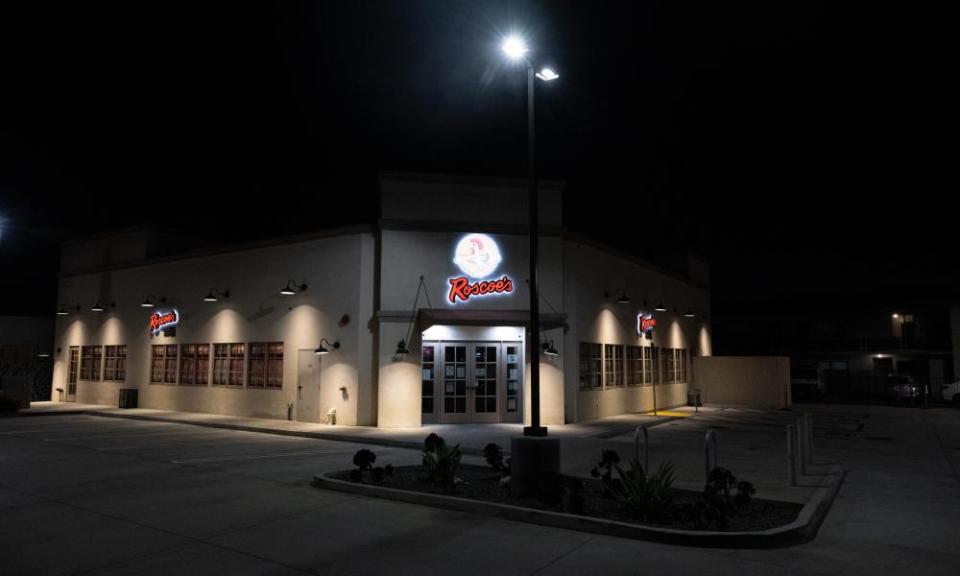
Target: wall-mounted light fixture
[[99, 307], [320, 350], [215, 295], [402, 348], [292, 288], [689, 313], [151, 301], [63, 310], [660, 307], [622, 297], [549, 349]]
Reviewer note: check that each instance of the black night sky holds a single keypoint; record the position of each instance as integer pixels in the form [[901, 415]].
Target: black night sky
[[789, 141]]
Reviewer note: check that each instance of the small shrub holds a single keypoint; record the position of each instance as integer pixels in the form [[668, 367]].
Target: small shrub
[[433, 443], [604, 471], [356, 475], [388, 469], [643, 495], [723, 495], [377, 474], [364, 459], [745, 492], [441, 462], [493, 454]]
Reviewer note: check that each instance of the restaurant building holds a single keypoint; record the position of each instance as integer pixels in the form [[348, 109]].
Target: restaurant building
[[418, 319]]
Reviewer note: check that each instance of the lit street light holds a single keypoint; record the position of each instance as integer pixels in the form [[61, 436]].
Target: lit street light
[[516, 50]]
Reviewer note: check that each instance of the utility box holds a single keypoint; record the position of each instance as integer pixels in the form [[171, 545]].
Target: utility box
[[128, 398]]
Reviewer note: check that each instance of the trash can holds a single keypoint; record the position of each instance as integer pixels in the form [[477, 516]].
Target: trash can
[[693, 397], [128, 398]]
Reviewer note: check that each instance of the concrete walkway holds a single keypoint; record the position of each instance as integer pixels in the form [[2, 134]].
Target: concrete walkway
[[94, 495], [751, 442]]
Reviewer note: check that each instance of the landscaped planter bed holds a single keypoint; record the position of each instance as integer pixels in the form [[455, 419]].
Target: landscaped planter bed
[[483, 484]]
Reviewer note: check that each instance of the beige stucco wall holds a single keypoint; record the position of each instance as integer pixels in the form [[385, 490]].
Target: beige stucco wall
[[593, 279], [337, 305], [756, 382]]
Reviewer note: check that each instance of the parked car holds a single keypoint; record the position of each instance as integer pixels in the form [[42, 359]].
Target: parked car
[[901, 387], [951, 392]]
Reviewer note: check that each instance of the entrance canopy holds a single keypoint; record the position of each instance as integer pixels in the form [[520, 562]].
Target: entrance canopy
[[454, 317]]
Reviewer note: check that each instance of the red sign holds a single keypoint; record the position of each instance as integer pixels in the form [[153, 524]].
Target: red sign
[[461, 288], [163, 320], [645, 323]]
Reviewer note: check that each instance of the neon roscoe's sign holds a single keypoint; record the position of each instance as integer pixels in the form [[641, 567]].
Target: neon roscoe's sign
[[645, 323], [478, 256], [160, 321]]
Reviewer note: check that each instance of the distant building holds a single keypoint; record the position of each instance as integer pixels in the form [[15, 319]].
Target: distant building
[[857, 354], [25, 357], [421, 318]]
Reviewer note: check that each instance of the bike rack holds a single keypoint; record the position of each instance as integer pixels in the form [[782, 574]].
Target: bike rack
[[646, 447], [710, 440]]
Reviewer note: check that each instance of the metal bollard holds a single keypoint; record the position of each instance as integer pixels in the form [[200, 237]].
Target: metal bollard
[[711, 438], [791, 456], [802, 443], [646, 447]]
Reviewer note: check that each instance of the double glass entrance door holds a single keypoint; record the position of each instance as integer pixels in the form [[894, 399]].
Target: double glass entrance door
[[473, 381]]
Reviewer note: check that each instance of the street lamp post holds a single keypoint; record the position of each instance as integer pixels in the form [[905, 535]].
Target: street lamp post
[[516, 50], [534, 457]]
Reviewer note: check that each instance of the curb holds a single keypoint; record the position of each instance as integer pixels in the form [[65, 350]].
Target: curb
[[386, 442], [801, 530]]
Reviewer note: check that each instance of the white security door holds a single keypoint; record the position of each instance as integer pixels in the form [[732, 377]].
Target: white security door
[[308, 386]]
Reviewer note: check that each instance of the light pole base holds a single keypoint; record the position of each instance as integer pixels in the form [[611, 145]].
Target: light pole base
[[535, 431], [534, 461]]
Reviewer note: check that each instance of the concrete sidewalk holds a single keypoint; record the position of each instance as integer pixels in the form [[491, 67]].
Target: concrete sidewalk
[[751, 442]]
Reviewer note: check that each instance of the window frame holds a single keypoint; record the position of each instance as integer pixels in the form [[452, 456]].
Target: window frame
[[229, 368], [613, 365], [115, 363], [96, 359], [594, 361]]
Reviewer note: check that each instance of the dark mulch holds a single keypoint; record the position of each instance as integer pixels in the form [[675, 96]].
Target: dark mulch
[[481, 483]]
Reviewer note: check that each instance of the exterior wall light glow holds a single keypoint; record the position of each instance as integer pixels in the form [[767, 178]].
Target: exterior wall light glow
[[151, 301], [622, 297], [291, 288], [321, 350], [215, 295]]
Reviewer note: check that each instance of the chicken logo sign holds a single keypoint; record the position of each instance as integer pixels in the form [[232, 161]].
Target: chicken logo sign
[[478, 256]]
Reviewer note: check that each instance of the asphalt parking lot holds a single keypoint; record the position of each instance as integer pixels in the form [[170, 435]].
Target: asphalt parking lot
[[93, 495]]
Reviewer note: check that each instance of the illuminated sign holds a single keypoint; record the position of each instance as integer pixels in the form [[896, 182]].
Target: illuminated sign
[[645, 323], [462, 288], [478, 256], [160, 321]]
